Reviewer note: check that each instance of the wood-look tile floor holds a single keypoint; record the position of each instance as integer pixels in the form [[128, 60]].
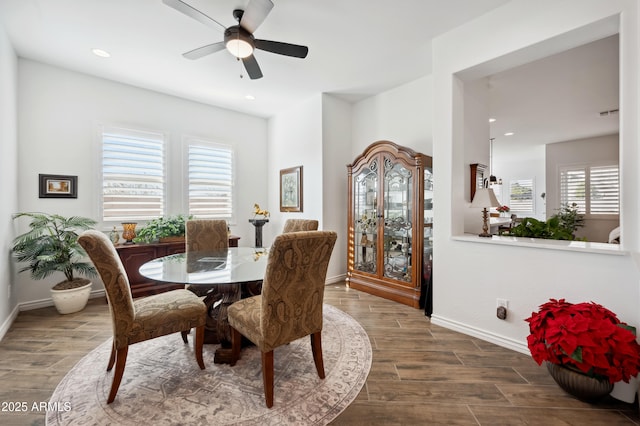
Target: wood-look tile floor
[[421, 374]]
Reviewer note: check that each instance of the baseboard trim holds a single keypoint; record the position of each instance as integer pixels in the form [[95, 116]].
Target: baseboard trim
[[337, 279], [6, 325], [497, 339]]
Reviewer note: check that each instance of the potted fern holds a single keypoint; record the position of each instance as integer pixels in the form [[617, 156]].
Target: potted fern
[[51, 246]]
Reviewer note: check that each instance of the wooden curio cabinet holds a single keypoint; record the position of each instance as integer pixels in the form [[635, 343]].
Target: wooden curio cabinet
[[390, 222]]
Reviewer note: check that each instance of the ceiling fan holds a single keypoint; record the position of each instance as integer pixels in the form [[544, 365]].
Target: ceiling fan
[[239, 39]]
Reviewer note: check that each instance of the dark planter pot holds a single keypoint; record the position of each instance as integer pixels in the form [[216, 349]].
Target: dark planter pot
[[175, 239], [585, 388]]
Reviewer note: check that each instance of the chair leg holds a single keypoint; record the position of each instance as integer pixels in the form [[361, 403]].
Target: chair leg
[[112, 357], [184, 336], [236, 343], [198, 344], [267, 377], [316, 348], [121, 360]]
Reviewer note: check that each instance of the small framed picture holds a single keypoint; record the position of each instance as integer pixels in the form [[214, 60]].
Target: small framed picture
[[291, 189], [58, 186]]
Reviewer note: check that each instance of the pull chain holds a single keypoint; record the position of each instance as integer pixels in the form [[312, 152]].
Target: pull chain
[[238, 55]]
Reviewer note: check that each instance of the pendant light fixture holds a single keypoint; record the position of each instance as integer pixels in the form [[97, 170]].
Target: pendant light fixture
[[493, 180]]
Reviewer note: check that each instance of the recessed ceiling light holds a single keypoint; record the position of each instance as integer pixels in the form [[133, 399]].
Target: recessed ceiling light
[[491, 120], [101, 53], [250, 97], [509, 134]]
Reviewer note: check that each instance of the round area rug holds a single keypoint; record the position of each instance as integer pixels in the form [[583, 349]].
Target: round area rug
[[163, 385]]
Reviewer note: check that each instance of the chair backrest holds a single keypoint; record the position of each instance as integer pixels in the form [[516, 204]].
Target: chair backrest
[[206, 235], [116, 283], [297, 225], [293, 286]]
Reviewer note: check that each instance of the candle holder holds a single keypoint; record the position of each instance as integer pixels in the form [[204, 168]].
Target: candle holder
[[129, 231]]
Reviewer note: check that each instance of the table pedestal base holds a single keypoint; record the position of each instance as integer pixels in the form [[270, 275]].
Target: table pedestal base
[[218, 299]]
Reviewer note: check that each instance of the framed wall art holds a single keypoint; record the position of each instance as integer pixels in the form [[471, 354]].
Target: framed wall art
[[291, 189], [58, 186]]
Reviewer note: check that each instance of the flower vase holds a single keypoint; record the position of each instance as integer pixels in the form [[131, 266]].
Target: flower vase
[[583, 387], [129, 231]]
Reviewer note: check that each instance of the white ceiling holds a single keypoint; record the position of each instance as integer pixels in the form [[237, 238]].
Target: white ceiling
[[559, 97], [357, 48]]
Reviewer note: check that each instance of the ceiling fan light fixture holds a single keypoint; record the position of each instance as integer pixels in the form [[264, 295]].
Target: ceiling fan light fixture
[[239, 48], [238, 42]]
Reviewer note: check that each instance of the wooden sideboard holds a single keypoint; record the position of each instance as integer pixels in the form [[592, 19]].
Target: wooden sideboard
[[134, 255]]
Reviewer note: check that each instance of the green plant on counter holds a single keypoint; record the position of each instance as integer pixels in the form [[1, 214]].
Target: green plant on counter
[[569, 217], [162, 227], [561, 226]]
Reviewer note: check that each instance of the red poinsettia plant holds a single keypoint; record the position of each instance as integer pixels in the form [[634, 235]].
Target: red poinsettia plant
[[586, 337], [503, 209]]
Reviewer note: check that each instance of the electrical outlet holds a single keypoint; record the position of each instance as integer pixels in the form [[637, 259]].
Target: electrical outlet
[[501, 312], [502, 302]]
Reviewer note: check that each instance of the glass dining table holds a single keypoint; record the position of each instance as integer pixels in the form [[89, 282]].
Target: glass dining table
[[220, 277]]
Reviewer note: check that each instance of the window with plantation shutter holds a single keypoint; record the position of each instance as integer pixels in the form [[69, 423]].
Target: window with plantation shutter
[[133, 175], [521, 195], [210, 179], [595, 189], [573, 188]]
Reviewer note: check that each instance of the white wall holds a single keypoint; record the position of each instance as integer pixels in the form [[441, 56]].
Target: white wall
[[401, 115], [476, 148], [520, 161], [59, 116], [465, 298], [8, 177], [336, 142], [316, 136], [295, 139], [541, 162], [602, 150]]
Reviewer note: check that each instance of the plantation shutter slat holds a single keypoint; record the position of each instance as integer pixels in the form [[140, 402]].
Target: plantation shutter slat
[[604, 190], [133, 175], [594, 189], [573, 188], [521, 195], [210, 174]]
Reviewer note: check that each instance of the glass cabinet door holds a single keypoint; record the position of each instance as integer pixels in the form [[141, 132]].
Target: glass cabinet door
[[365, 215], [398, 203]]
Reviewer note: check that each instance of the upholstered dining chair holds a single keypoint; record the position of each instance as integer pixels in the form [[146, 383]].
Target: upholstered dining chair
[[290, 306], [297, 225], [141, 319], [205, 235], [506, 228]]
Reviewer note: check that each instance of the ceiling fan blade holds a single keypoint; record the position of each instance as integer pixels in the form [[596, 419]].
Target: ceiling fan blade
[[255, 14], [194, 13], [204, 50], [280, 48], [252, 67]]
